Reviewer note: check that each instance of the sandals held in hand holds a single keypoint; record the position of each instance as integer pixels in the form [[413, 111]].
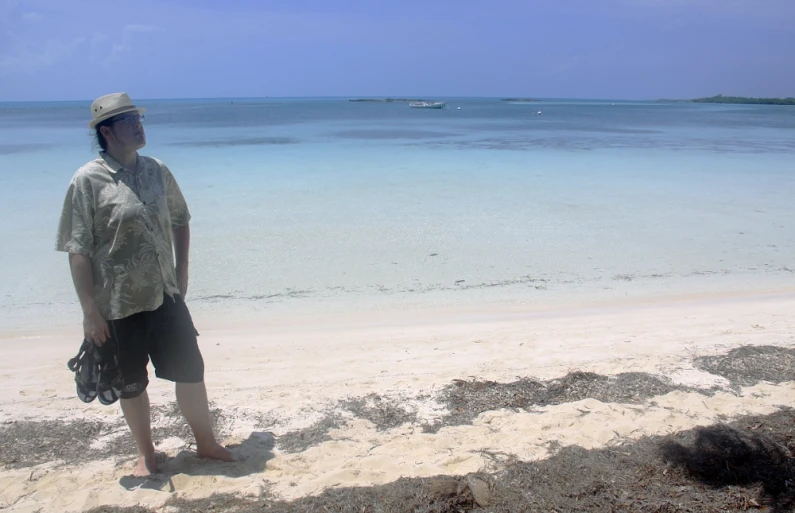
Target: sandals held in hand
[[97, 372]]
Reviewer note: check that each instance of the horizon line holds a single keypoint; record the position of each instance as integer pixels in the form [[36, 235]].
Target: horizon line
[[435, 96]]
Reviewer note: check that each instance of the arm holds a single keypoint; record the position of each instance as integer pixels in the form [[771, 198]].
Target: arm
[[76, 237], [180, 217], [95, 328], [181, 251]]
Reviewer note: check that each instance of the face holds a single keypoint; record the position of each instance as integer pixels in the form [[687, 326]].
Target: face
[[126, 131]]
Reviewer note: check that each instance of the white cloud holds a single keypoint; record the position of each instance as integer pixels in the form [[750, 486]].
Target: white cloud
[[140, 28], [758, 12], [26, 57], [743, 9], [563, 67], [118, 48], [26, 47], [32, 17], [8, 6], [38, 34]]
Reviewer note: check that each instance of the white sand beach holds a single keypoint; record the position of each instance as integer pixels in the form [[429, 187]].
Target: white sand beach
[[272, 378]]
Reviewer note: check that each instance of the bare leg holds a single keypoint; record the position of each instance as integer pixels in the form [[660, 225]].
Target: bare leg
[[192, 400], [136, 413]]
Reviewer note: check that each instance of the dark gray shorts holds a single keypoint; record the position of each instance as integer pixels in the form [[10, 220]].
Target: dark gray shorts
[[166, 335]]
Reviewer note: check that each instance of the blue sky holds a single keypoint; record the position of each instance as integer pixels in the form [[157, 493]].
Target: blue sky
[[613, 49]]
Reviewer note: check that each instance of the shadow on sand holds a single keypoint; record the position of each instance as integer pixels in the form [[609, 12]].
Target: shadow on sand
[[255, 452], [723, 456]]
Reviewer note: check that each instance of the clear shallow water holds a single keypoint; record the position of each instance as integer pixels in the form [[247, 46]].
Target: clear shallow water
[[316, 204]]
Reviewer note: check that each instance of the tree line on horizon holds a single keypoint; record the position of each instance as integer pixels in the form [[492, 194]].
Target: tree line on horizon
[[745, 100]]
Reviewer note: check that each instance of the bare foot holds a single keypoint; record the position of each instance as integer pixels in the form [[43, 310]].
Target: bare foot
[[146, 466], [217, 452]]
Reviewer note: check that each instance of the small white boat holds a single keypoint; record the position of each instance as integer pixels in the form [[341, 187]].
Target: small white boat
[[428, 105]]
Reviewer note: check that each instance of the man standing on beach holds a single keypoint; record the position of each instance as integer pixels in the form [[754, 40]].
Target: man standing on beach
[[125, 226]]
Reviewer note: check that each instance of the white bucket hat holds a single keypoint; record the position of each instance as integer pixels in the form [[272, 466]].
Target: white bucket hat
[[105, 107]]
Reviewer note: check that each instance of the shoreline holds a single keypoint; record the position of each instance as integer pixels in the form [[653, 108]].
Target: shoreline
[[338, 316]]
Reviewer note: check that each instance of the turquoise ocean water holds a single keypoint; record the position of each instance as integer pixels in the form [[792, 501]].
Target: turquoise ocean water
[[318, 205]]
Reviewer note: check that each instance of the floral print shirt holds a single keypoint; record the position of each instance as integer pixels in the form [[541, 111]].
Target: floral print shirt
[[123, 221]]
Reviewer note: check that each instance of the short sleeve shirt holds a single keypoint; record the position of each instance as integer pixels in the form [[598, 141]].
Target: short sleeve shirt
[[123, 221]]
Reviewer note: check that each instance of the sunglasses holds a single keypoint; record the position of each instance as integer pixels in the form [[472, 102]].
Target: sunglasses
[[131, 120]]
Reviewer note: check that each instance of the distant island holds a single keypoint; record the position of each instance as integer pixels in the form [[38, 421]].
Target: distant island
[[519, 100], [744, 100], [385, 100], [739, 100]]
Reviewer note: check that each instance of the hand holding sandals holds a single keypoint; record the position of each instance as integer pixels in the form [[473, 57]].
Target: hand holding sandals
[[95, 328]]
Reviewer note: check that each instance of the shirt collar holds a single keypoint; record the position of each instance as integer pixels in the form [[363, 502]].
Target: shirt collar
[[111, 164]]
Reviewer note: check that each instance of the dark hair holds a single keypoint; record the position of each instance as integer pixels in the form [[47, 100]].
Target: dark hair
[[100, 139]]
